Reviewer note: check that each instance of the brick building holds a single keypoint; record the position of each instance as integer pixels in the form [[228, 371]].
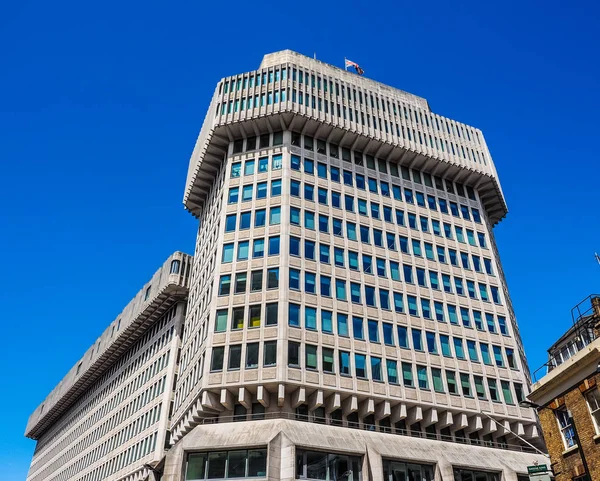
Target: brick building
[[568, 397]]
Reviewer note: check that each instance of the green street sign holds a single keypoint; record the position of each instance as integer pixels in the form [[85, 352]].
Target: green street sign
[[540, 468]]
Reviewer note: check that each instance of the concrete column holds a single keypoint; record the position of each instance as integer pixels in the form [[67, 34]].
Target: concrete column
[[372, 466], [444, 471], [509, 475], [288, 461], [274, 458]]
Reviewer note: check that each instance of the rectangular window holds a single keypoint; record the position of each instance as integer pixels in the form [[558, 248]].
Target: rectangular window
[[407, 374], [360, 364], [565, 423], [344, 358], [293, 354]]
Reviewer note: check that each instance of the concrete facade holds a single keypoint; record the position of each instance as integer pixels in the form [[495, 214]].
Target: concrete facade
[[342, 226], [108, 417], [569, 400], [345, 314]]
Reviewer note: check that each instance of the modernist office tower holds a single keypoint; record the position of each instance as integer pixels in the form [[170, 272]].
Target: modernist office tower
[[108, 418], [345, 274]]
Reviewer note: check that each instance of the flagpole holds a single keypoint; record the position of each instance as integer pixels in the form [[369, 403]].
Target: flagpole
[[345, 65]]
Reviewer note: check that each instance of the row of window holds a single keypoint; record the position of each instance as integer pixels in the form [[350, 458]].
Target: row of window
[[352, 260], [335, 226], [387, 213], [245, 219], [255, 79], [326, 287], [334, 173], [250, 191], [254, 317], [375, 186], [387, 370], [258, 249], [251, 166], [378, 297], [252, 101], [376, 334], [241, 463], [252, 356]]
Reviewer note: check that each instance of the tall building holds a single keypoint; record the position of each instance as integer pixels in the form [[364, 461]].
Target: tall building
[[109, 416], [345, 274], [567, 397]]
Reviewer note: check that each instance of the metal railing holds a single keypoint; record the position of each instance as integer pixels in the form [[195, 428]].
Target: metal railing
[[366, 427], [581, 334]]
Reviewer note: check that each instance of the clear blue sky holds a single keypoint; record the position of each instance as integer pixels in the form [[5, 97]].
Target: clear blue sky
[[101, 103]]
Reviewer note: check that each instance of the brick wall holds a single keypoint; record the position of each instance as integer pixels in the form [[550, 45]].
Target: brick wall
[[568, 465]]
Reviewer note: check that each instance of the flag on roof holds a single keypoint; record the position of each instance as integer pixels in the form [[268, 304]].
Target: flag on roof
[[350, 63]]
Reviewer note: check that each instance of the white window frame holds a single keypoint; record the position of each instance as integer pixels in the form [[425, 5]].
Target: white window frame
[[563, 429], [592, 398]]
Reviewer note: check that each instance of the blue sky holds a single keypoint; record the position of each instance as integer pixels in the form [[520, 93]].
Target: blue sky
[[101, 104]]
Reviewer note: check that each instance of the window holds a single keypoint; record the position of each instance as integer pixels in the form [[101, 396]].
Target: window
[[403, 337], [240, 282], [260, 218], [472, 349], [506, 392], [227, 252], [593, 399], [294, 315], [244, 463], [236, 169], [431, 343], [217, 359], [373, 328], [388, 333], [243, 251], [465, 383], [566, 427], [324, 466], [327, 359], [479, 388], [237, 319], [225, 285], [261, 191], [458, 348], [422, 377], [344, 363], [245, 220], [498, 356], [230, 222], [357, 328], [275, 216], [510, 358], [407, 375], [493, 387], [376, 373], [273, 278], [360, 364], [392, 371], [438, 383], [311, 361], [293, 354], [271, 314], [235, 356], [468, 475], [451, 381]]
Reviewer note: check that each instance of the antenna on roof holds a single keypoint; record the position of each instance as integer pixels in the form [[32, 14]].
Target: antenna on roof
[[315, 55]]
